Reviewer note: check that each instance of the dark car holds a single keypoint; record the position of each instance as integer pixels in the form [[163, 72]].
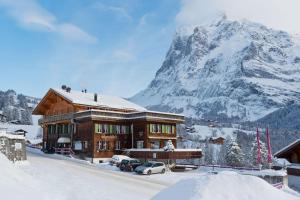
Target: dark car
[[129, 164]]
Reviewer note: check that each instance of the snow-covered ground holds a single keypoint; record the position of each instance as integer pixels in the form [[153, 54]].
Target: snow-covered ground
[[56, 177]]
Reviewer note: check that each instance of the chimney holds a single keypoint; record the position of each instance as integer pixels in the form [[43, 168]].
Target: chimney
[[64, 87], [68, 89], [95, 97]]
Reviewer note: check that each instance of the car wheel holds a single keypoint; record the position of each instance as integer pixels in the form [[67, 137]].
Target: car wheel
[[122, 167], [163, 171], [149, 172]]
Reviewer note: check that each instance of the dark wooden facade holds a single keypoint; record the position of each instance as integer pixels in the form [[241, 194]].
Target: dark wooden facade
[[290, 152], [64, 119]]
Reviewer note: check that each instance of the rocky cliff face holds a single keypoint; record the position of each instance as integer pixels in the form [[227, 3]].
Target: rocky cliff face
[[226, 70], [17, 107]]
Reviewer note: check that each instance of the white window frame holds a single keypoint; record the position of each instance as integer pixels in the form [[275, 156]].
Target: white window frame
[[118, 145], [140, 144]]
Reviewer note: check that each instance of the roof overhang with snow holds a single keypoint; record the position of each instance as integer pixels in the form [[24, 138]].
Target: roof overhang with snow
[[287, 149], [84, 99]]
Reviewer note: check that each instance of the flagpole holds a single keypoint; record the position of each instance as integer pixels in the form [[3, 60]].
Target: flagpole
[[269, 146], [258, 148]]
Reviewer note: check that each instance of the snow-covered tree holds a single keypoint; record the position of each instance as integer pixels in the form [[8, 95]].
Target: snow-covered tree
[[169, 146], [234, 155], [223, 151], [252, 156]]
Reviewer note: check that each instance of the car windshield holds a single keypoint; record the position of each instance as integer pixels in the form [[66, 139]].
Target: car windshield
[[148, 164]]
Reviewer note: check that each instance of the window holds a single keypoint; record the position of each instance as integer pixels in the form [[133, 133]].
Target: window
[[162, 128], [105, 128], [140, 144], [173, 129], [85, 144], [123, 129], [155, 144], [118, 129], [159, 128], [111, 129], [102, 146], [168, 129], [118, 145]]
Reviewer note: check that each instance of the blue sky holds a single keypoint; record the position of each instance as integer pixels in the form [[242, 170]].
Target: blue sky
[[108, 46], [111, 47]]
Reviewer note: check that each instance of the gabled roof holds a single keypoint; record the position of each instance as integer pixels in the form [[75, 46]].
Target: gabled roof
[[87, 99], [287, 148]]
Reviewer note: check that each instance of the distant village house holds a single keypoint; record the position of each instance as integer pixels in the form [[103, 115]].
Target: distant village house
[[292, 154]]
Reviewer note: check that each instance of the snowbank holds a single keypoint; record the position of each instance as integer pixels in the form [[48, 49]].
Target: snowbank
[[225, 185], [16, 184]]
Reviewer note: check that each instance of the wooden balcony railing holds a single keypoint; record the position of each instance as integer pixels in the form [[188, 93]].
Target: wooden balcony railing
[[102, 114]]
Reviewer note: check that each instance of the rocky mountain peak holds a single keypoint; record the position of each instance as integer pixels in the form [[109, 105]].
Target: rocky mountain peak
[[226, 70]]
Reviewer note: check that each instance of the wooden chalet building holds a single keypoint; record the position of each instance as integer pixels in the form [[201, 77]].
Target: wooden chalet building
[[292, 154], [99, 126]]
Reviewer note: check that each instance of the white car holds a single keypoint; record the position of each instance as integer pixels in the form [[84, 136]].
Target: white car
[[151, 168], [117, 159]]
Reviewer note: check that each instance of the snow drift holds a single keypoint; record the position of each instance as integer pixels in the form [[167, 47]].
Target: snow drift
[[225, 185], [16, 184]]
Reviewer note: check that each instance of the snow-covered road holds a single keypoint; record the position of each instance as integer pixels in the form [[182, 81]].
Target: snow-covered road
[[70, 180]]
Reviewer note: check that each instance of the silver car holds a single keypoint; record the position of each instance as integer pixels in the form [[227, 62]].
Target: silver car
[[151, 168]]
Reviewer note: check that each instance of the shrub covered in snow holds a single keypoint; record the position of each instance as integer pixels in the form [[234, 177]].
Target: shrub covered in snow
[[169, 146]]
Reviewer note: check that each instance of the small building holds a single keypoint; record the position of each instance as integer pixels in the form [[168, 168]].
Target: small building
[[20, 132], [216, 140], [12, 146], [96, 126], [291, 153]]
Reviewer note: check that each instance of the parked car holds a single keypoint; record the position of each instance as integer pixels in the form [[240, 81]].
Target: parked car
[[129, 164], [151, 168], [116, 159]]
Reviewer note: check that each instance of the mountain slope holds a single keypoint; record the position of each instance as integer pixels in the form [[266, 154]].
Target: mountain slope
[[226, 70], [284, 118], [17, 106]]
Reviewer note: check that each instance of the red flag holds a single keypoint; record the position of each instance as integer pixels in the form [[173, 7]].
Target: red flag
[[269, 147], [258, 147]]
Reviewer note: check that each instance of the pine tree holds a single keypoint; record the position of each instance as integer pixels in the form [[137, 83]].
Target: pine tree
[[253, 154], [234, 155]]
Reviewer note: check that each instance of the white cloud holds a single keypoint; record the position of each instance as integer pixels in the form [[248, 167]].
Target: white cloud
[[123, 55], [29, 14], [121, 12], [278, 14]]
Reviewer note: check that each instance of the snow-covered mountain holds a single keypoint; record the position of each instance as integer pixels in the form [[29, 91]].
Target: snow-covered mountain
[[17, 107], [226, 70]]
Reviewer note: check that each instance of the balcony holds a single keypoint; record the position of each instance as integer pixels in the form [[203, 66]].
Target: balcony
[[55, 118], [112, 115]]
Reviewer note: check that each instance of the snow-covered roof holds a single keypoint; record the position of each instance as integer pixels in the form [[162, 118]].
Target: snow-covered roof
[[288, 147], [78, 97], [11, 136]]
